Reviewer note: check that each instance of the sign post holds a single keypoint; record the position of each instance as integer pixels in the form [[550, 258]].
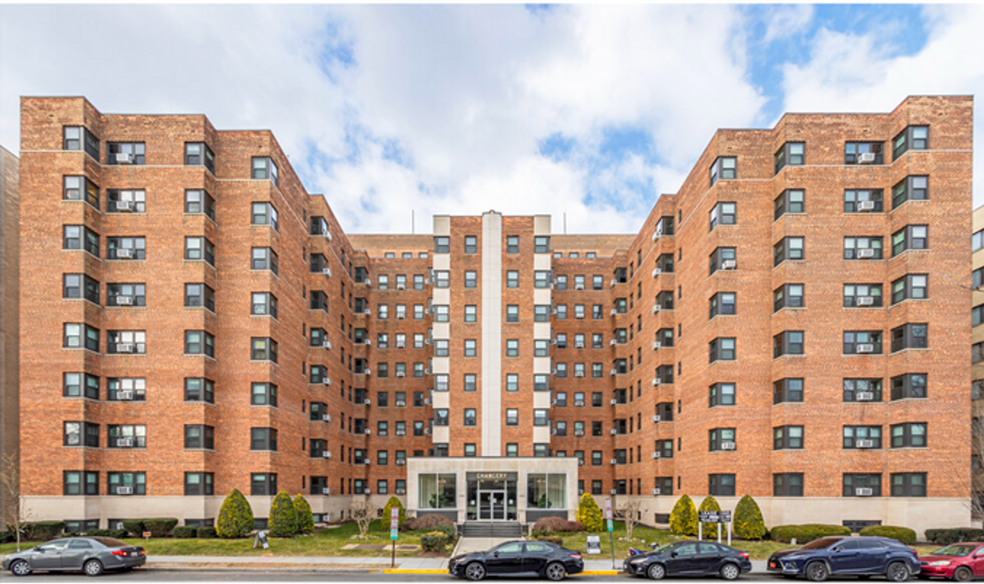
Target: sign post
[[394, 532], [726, 519], [611, 527], [718, 517]]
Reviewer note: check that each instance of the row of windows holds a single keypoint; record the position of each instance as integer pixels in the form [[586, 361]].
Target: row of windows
[[83, 336], [906, 435], [904, 337], [442, 244]]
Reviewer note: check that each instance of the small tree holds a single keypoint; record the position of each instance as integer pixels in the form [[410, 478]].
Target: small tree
[[629, 513], [709, 504], [283, 516], [14, 515], [748, 519], [235, 516], [305, 519], [588, 514], [388, 510], [364, 513], [683, 518]]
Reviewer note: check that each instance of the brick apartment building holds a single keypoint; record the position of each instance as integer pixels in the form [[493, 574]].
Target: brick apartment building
[[792, 324]]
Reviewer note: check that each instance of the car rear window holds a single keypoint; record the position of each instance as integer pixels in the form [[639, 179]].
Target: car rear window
[[111, 542]]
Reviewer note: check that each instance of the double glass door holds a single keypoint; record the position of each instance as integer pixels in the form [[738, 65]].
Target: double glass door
[[492, 505]]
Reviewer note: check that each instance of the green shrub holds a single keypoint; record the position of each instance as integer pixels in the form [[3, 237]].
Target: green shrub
[[806, 533], [6, 536], [235, 516], [556, 525], [683, 518], [283, 517], [709, 504], [902, 534], [589, 515], [42, 530], [426, 522], [947, 536], [434, 541], [185, 531], [305, 519], [206, 533], [159, 526], [114, 533], [748, 522], [556, 539], [388, 510], [134, 527], [449, 531]]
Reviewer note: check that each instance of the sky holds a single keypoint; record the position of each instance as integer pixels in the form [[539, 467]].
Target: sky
[[413, 110]]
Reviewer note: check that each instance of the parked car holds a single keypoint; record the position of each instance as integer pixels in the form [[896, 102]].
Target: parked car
[[847, 556], [518, 558], [959, 561], [91, 555], [689, 558]]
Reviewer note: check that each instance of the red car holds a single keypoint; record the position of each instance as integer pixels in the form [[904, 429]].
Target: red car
[[959, 561]]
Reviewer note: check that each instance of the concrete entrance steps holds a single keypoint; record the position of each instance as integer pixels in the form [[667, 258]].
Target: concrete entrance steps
[[497, 529]]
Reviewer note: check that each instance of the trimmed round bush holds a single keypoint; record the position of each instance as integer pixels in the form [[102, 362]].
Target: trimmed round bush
[[185, 531], [806, 533], [134, 527], [902, 534], [946, 536], [748, 520], [6, 536], [235, 516], [283, 517], [160, 526], [683, 518], [427, 522], [589, 514], [556, 525], [206, 533], [305, 519], [435, 541], [708, 504], [42, 530], [388, 510]]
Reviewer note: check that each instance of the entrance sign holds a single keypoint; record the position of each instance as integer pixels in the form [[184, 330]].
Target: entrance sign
[[718, 517], [709, 517]]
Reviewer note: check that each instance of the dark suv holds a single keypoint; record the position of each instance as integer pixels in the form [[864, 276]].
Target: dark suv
[[848, 556]]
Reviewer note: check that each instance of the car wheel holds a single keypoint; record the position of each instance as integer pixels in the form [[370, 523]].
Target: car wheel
[[93, 568], [730, 571], [20, 568], [817, 572], [656, 572], [963, 574], [555, 571], [475, 571], [897, 572]]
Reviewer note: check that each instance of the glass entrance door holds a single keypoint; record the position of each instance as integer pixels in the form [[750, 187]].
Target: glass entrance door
[[491, 505]]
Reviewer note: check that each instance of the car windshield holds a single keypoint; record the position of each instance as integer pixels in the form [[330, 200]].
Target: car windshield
[[823, 542], [664, 548], [955, 550], [110, 542]]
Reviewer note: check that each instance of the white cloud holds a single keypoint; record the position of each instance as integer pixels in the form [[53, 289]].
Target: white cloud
[[788, 20]]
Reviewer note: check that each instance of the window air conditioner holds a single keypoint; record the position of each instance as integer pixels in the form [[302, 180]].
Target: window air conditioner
[[401, 491], [614, 402], [401, 316], [124, 490], [866, 158], [401, 286], [865, 301], [124, 206], [865, 395], [579, 432], [614, 371], [579, 404], [655, 491], [579, 345], [657, 381], [656, 418], [125, 347], [727, 446], [326, 234], [614, 431], [866, 206], [124, 301], [326, 417], [401, 432], [866, 253], [325, 491], [614, 461], [124, 442], [614, 312], [580, 462], [656, 454], [124, 395], [124, 158], [326, 381], [657, 345], [614, 281], [326, 345], [579, 286], [367, 402], [656, 235], [325, 454], [579, 374], [401, 345], [863, 492], [864, 348], [613, 492], [401, 373], [367, 431], [657, 272], [657, 308], [427, 401], [612, 342], [729, 264], [401, 404], [865, 443], [366, 312], [124, 252]]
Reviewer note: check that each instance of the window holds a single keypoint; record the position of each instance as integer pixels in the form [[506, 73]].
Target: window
[[787, 343], [263, 349], [264, 304], [512, 382], [862, 295], [126, 389], [442, 244], [197, 437], [909, 435], [863, 248], [791, 201], [787, 438], [862, 390], [118, 342], [418, 281], [471, 244], [723, 258], [263, 439], [541, 313], [787, 296], [77, 286], [471, 313], [80, 385], [512, 279], [199, 483], [471, 279], [126, 483], [198, 153], [788, 484], [911, 188], [199, 201], [77, 187], [722, 349], [442, 279], [910, 237], [126, 295], [125, 201], [721, 303], [436, 491], [76, 482], [81, 237], [541, 244], [862, 437], [263, 484], [863, 153], [199, 343], [910, 336], [977, 352], [721, 485], [199, 389], [79, 336], [909, 386], [125, 153], [126, 248], [788, 248], [264, 214], [909, 484], [471, 347], [912, 138], [512, 417], [264, 394], [789, 390], [512, 348], [724, 168], [862, 485], [265, 169], [722, 394], [863, 201], [512, 244], [791, 154], [264, 258], [541, 279], [722, 439], [81, 434], [561, 282], [860, 342], [441, 312], [80, 138], [723, 214]]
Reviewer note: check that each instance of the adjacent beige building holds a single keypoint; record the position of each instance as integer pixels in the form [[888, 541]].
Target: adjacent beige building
[[9, 302]]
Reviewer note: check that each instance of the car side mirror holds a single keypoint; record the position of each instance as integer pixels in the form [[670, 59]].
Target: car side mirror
[[673, 554], [836, 550], [496, 554]]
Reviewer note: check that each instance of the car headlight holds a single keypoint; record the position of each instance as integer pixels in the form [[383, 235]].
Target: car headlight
[[940, 563], [638, 560]]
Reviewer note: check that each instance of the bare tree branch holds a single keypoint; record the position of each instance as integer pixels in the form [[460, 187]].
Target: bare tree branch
[[364, 513], [629, 513]]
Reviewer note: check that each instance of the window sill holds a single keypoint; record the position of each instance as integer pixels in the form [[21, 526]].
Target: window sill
[[788, 308], [905, 399], [787, 214], [790, 356], [198, 355], [125, 355], [903, 203], [909, 350]]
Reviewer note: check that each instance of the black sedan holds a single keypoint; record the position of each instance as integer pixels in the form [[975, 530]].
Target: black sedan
[[690, 558], [518, 558], [91, 555]]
